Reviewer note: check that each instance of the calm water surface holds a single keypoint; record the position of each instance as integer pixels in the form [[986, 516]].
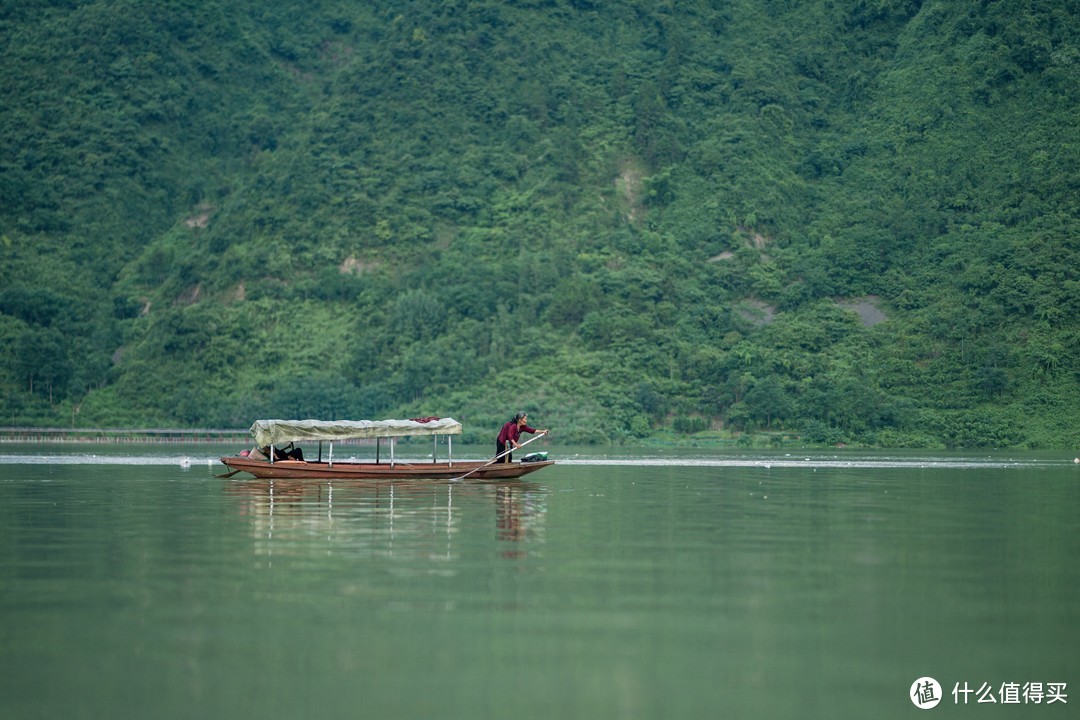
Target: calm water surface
[[670, 585]]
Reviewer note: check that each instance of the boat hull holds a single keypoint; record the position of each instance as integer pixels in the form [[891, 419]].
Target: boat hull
[[384, 471]]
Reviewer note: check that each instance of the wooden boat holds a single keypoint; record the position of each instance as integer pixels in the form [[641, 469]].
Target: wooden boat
[[271, 434]]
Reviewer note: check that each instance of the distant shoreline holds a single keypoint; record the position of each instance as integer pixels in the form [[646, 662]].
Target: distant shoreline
[[108, 436]]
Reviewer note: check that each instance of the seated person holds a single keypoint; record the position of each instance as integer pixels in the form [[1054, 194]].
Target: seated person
[[289, 452]]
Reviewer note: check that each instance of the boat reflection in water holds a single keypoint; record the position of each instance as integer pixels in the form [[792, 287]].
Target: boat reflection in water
[[418, 520]]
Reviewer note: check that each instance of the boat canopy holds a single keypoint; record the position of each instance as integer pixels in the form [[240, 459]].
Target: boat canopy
[[278, 432]]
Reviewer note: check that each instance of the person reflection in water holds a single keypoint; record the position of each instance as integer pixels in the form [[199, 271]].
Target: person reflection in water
[[508, 515], [511, 434], [519, 516]]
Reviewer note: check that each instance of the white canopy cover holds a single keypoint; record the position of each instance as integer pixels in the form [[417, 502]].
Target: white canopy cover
[[278, 432]]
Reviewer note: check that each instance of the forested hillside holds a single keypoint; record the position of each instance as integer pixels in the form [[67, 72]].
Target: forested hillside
[[841, 221]]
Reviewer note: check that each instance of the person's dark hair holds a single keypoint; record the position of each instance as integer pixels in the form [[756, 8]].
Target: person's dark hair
[[517, 418]]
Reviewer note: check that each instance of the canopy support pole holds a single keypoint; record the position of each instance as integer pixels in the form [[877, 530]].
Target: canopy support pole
[[331, 461]]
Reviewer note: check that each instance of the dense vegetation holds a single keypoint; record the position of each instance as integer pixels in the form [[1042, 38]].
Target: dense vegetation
[[843, 221]]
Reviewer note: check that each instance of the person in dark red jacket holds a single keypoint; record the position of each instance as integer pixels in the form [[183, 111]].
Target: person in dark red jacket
[[510, 434]]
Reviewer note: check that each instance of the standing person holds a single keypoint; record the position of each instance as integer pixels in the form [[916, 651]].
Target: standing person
[[509, 435]]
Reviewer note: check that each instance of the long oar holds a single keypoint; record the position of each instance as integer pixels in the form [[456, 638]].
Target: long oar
[[498, 457]]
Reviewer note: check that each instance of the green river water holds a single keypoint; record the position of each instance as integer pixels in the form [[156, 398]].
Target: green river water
[[682, 584]]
